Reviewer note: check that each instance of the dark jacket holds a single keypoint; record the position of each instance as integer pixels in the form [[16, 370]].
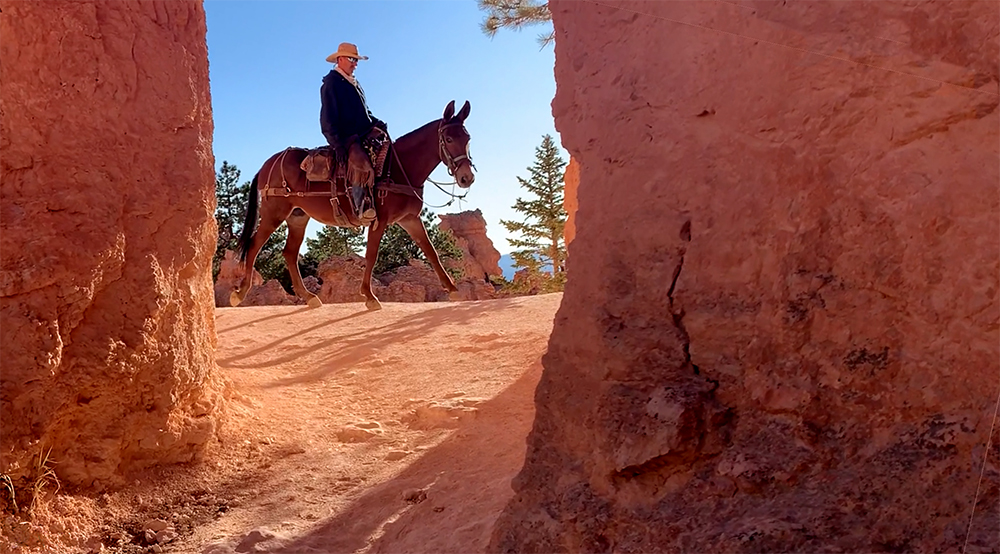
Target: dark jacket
[[344, 112]]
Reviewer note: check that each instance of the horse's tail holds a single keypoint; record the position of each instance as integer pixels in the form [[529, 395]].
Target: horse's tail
[[250, 224]]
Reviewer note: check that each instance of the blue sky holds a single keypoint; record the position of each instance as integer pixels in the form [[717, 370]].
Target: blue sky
[[267, 60]]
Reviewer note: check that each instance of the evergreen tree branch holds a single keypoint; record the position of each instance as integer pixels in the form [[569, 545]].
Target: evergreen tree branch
[[515, 15]]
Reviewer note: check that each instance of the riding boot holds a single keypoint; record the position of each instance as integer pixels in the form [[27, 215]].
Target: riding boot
[[365, 213]]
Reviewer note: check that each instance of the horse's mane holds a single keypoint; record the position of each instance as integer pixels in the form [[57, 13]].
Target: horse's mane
[[407, 141]]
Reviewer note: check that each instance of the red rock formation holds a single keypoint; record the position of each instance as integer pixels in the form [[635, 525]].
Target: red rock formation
[[473, 289], [570, 203], [228, 279], [416, 282], [341, 276], [780, 331], [107, 238], [479, 257], [271, 293], [312, 284]]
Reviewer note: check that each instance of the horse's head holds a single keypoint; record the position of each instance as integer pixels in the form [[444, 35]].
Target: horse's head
[[453, 144]]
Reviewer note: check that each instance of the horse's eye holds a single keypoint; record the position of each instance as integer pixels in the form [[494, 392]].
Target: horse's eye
[[448, 139]]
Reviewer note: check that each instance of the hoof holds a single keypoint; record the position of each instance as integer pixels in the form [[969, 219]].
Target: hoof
[[315, 302], [373, 305], [234, 299]]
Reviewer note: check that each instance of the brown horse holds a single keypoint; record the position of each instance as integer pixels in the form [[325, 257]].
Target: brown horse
[[281, 187]]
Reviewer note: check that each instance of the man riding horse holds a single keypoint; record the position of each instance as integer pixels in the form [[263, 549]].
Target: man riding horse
[[346, 119]]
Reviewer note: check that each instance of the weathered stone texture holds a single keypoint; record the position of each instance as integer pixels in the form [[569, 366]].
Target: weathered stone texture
[[479, 257], [415, 282], [341, 276], [229, 277], [780, 329], [271, 293], [572, 183], [107, 235]]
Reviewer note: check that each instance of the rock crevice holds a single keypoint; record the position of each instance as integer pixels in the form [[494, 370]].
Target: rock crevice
[[764, 379]]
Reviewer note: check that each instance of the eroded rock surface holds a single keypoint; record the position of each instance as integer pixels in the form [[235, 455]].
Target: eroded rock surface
[[572, 182], [480, 258], [415, 282], [106, 200], [341, 276], [229, 277], [780, 329], [271, 293]]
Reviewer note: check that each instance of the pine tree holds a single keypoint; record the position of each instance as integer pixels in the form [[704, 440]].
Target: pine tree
[[229, 212], [270, 262], [397, 248], [540, 246], [329, 242], [230, 209], [515, 14], [334, 241]]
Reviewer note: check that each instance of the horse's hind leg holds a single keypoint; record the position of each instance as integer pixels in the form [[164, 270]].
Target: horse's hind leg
[[296, 233], [415, 228], [268, 223]]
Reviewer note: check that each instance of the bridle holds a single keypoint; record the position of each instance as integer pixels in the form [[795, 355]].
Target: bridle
[[451, 162]]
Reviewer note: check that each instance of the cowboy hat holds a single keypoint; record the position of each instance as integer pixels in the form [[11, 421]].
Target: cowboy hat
[[347, 50]]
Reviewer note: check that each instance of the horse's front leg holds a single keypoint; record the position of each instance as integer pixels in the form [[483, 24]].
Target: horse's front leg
[[415, 228], [371, 256], [296, 233]]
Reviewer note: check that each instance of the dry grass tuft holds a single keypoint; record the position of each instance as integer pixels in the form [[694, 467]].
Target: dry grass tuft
[[8, 485], [44, 475]]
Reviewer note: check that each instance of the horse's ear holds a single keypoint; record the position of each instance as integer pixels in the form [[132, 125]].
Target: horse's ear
[[464, 112], [449, 111]]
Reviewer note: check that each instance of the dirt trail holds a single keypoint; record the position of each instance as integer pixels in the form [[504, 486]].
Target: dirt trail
[[355, 431], [345, 431]]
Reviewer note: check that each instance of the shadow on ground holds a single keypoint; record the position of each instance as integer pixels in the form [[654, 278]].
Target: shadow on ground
[[457, 507]]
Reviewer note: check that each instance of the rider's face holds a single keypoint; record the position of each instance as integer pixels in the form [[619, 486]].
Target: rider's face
[[347, 64]]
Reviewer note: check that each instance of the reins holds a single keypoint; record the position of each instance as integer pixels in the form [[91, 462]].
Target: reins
[[453, 196]]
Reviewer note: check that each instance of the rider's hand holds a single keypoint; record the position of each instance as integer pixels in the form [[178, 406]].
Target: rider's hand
[[337, 149]]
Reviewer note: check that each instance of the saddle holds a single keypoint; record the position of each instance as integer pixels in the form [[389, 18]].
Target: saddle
[[319, 162], [320, 165]]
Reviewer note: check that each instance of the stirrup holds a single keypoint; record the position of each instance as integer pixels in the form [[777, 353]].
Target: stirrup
[[367, 217]]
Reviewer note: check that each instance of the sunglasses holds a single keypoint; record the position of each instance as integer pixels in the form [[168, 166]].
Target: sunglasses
[[352, 60]]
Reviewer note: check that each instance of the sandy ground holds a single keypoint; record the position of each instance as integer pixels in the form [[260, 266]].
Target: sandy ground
[[346, 431]]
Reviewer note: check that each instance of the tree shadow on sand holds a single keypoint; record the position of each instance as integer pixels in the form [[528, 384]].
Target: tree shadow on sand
[[221, 331], [345, 346], [354, 347], [229, 362]]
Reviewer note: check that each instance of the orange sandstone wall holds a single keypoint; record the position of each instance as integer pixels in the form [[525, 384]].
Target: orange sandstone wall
[[570, 203], [781, 328], [107, 183]]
